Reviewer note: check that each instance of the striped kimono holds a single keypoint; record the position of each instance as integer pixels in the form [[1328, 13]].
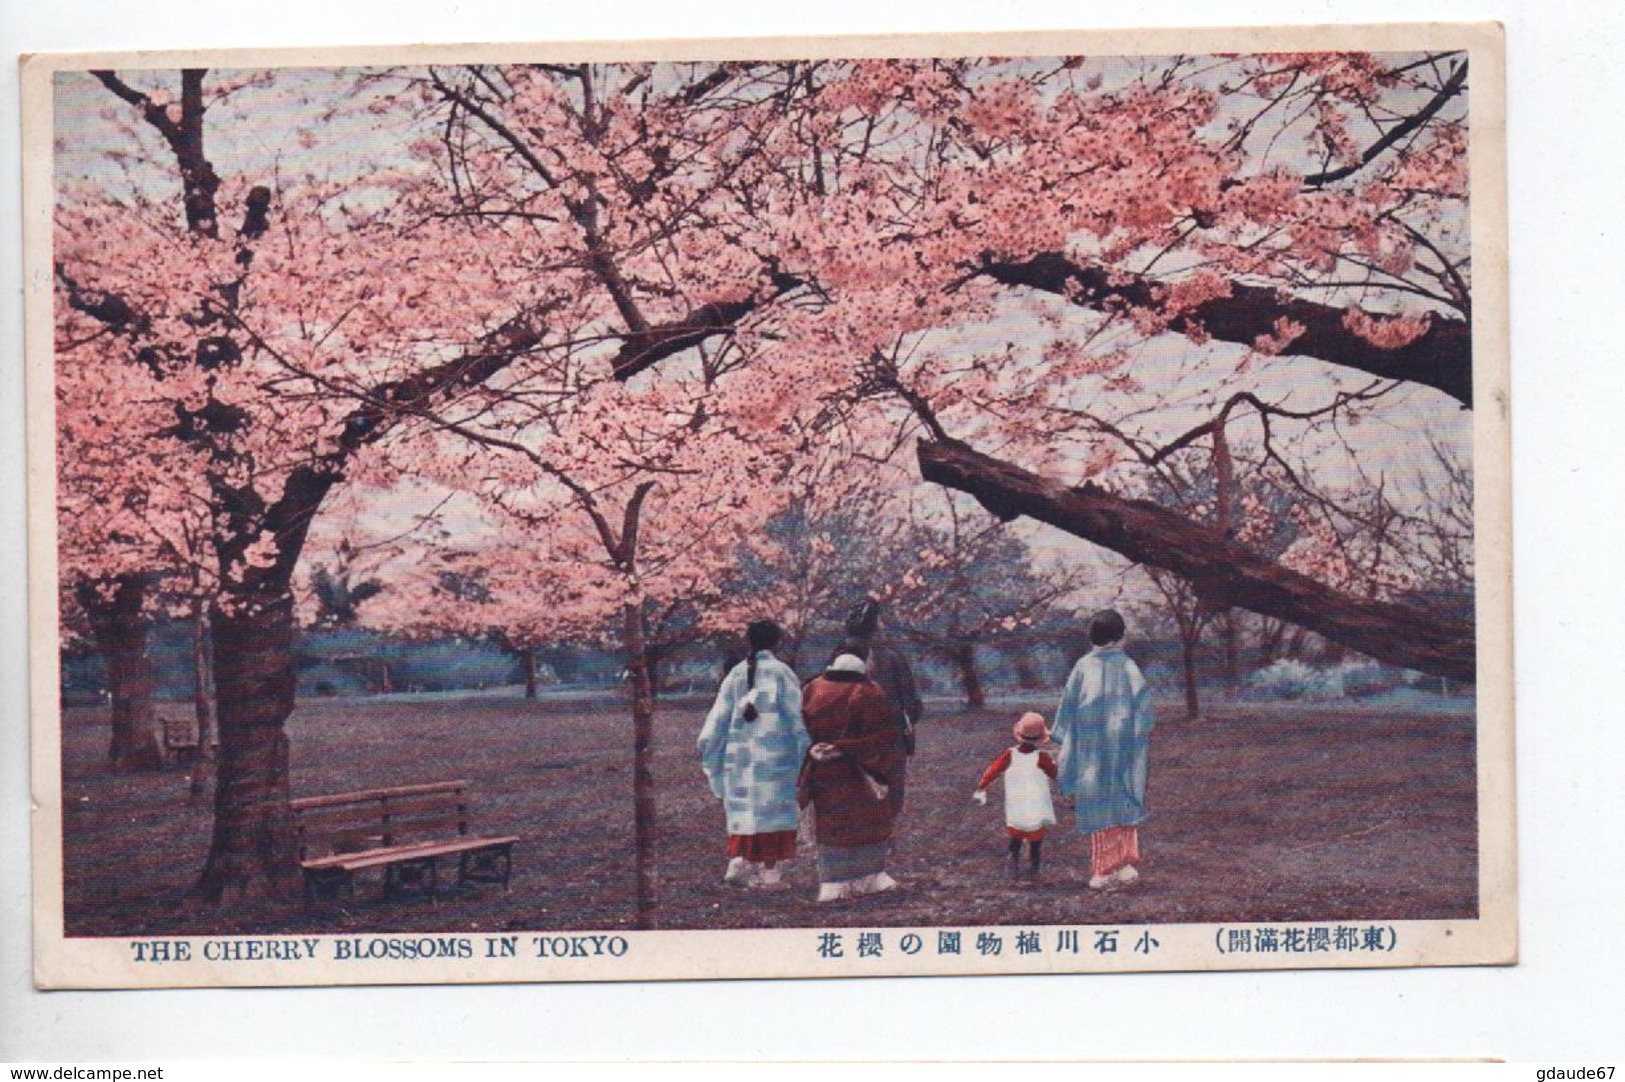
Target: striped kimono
[[1103, 725], [753, 765]]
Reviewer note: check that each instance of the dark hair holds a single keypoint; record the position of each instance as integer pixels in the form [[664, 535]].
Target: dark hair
[[1106, 627], [863, 620], [761, 635]]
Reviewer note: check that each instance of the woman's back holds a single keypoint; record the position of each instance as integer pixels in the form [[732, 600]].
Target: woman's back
[[752, 759], [777, 688], [844, 707]]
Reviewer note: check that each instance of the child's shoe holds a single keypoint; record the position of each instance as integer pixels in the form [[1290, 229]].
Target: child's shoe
[[1128, 875], [1101, 882], [738, 873], [769, 878]]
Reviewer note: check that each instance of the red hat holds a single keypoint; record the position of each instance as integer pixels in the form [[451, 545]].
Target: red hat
[[1031, 728]]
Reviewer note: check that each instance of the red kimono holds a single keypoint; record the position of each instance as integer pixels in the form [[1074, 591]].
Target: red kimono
[[850, 712]]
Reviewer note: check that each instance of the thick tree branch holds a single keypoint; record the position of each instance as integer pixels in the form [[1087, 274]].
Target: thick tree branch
[[182, 129], [108, 309], [412, 394], [631, 521], [1441, 358], [151, 112], [1224, 573], [715, 79], [1452, 86], [289, 518], [644, 349]]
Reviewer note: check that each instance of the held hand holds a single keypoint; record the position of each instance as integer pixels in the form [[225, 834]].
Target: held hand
[[980, 796]]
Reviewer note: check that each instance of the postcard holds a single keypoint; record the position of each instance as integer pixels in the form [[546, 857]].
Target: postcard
[[1017, 503]]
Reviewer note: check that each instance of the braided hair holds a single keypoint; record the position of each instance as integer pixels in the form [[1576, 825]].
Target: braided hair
[[761, 635]]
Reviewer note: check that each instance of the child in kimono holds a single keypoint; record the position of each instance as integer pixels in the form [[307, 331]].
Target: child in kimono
[[1027, 772]]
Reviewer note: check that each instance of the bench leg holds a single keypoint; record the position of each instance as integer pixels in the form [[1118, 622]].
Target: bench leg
[[327, 883], [422, 873], [486, 866]]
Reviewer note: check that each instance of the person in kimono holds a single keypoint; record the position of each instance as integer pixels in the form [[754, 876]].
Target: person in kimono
[[751, 747], [1028, 809], [887, 667], [847, 777], [1103, 727]]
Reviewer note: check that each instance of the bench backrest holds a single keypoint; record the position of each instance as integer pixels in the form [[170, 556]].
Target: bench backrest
[[369, 818]]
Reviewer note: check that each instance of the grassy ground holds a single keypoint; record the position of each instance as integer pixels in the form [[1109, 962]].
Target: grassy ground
[[1259, 813]]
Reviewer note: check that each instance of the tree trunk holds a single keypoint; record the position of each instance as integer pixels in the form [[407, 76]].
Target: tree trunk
[[527, 657], [120, 628], [252, 852], [1224, 573], [1187, 642], [1232, 649], [963, 657], [203, 767], [1027, 677], [651, 666], [643, 780]]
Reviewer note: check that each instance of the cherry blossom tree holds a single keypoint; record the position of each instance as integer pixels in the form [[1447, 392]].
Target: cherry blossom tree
[[287, 328], [971, 582], [132, 544], [1218, 200], [599, 560], [1223, 207], [844, 532], [613, 304], [263, 326]]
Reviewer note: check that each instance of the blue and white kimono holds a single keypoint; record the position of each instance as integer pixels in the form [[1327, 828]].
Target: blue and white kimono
[[1104, 728], [753, 765]]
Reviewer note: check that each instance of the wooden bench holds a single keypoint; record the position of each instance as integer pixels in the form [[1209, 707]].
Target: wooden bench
[[181, 742], [406, 831]]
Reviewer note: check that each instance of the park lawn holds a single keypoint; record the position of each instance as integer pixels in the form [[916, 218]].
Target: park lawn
[[1278, 812]]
